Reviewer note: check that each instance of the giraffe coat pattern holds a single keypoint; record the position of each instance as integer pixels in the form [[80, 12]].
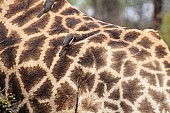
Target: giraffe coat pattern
[[108, 69]]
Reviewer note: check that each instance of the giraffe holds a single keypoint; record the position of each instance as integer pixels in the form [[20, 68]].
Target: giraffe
[[108, 68]]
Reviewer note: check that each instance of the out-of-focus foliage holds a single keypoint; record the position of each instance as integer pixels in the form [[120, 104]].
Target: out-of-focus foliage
[[72, 1], [86, 2], [165, 29], [129, 13]]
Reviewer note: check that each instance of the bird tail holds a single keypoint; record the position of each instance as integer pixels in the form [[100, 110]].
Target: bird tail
[[61, 52], [40, 14]]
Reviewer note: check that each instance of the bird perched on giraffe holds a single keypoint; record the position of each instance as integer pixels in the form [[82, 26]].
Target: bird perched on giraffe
[[67, 41], [48, 4]]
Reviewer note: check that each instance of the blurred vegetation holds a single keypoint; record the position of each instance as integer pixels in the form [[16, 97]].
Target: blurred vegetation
[[130, 13], [165, 28]]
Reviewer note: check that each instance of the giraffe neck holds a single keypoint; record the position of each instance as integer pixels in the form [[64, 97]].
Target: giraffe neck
[[70, 19], [61, 5]]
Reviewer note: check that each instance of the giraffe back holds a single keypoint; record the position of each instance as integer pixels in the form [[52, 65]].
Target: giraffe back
[[108, 68]]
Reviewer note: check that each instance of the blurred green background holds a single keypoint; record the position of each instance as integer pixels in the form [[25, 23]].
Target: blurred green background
[[139, 14]]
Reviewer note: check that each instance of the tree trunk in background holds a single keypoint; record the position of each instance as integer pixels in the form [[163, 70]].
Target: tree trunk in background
[[108, 10], [157, 17]]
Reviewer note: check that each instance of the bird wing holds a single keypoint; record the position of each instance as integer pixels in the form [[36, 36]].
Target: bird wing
[[40, 13], [62, 51]]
